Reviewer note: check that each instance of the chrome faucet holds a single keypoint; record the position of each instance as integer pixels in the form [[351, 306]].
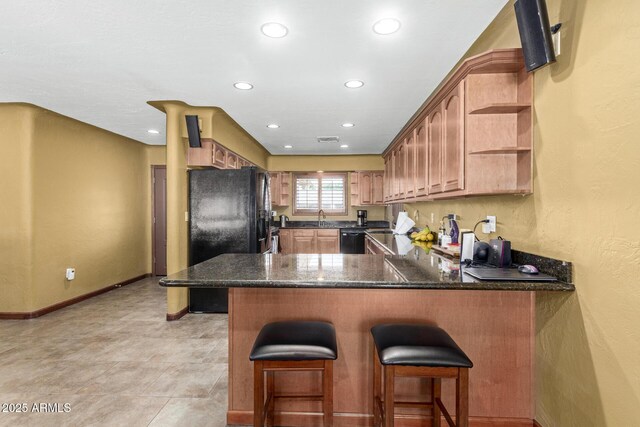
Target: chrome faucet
[[324, 217]]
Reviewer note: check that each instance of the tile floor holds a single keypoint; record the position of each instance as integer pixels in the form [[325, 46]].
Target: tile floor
[[117, 362]]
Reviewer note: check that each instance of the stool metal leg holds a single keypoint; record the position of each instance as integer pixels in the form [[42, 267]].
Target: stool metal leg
[[377, 388], [270, 398], [462, 398], [327, 392], [435, 393], [258, 393], [389, 375]]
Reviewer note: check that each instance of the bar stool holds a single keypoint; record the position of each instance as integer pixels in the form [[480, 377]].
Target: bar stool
[[418, 351], [292, 346]]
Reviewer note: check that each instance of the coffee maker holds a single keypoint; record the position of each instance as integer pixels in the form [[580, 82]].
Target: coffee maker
[[362, 218]]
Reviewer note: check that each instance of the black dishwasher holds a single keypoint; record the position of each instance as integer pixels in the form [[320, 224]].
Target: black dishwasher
[[352, 240]]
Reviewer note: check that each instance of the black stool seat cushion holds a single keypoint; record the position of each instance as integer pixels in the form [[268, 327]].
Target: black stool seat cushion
[[417, 345], [296, 341]]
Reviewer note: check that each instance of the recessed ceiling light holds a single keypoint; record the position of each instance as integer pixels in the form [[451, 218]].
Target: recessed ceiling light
[[288, 146], [386, 26], [348, 125], [354, 84], [344, 146], [153, 131], [243, 85], [273, 126], [274, 30]]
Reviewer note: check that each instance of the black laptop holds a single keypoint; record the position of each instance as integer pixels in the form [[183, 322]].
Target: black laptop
[[507, 275]]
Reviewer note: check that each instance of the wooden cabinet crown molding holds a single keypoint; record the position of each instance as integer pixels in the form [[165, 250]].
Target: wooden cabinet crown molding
[[492, 61]]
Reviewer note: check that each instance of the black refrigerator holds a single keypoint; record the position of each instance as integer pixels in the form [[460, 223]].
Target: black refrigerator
[[229, 212]]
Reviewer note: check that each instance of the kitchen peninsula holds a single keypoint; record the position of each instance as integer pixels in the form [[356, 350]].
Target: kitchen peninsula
[[494, 322]]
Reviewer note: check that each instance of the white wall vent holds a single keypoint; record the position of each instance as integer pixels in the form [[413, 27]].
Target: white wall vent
[[328, 139]]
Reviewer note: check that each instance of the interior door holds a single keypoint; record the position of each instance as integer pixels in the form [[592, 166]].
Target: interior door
[[159, 177]]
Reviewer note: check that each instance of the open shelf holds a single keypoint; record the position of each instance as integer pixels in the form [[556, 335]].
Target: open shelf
[[501, 150], [501, 108]]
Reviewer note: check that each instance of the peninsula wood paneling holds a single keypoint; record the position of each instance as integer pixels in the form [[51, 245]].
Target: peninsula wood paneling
[[495, 329]]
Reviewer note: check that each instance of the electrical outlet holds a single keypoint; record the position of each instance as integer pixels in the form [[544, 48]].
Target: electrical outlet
[[489, 227], [70, 274], [555, 39], [186, 216], [433, 218]]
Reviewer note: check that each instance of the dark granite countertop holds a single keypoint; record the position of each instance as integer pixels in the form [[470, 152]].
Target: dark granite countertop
[[394, 243], [333, 224], [417, 270]]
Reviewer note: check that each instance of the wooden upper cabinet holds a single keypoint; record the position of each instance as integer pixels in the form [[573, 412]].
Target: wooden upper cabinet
[[280, 188], [400, 170], [421, 161], [453, 140], [387, 177], [219, 156], [435, 151], [472, 137], [409, 176], [232, 161], [367, 188], [354, 188], [274, 187], [285, 188], [201, 156], [365, 182], [378, 188]]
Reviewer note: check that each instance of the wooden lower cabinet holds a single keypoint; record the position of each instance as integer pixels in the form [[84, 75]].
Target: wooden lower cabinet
[[372, 248], [286, 241], [310, 241], [304, 242], [328, 241]]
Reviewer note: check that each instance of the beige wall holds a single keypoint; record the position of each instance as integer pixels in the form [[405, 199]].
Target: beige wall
[[585, 209], [82, 199], [16, 128]]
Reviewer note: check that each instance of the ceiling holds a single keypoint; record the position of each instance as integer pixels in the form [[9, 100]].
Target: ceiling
[[100, 61]]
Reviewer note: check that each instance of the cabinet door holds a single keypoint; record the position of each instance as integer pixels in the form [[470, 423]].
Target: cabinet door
[[453, 145], [378, 188], [409, 175], [304, 242], [202, 156], [232, 161], [435, 151], [274, 187], [421, 162], [393, 182], [328, 241], [387, 177], [285, 241], [219, 156], [401, 172], [365, 183]]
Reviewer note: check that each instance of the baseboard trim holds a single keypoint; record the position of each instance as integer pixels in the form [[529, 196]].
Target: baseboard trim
[[243, 418], [178, 315], [63, 304]]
